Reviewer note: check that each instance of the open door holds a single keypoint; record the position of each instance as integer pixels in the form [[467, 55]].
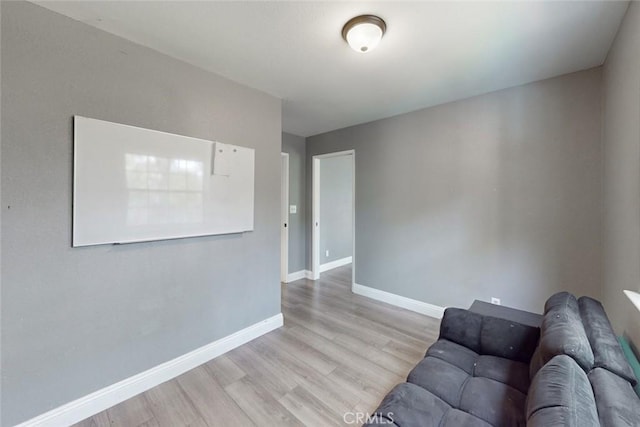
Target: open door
[[284, 217], [322, 259]]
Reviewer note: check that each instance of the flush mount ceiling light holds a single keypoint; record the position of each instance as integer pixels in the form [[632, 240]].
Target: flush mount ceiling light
[[364, 32]]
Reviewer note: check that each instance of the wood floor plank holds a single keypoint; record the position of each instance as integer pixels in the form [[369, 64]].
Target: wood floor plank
[[410, 353], [308, 409], [211, 400], [338, 352], [261, 372], [308, 321], [224, 370], [312, 357], [98, 420], [198, 423], [330, 393], [390, 361], [151, 423], [259, 404], [344, 357], [134, 411], [170, 406], [345, 325], [367, 387]]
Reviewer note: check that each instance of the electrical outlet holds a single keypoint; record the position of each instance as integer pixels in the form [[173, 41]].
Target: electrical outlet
[[495, 300], [326, 253]]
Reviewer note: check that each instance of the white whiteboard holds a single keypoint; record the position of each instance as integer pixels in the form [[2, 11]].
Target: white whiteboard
[[133, 185]]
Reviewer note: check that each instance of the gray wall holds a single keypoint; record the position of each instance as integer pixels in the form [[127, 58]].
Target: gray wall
[[497, 195], [336, 208], [295, 146], [621, 140], [76, 320]]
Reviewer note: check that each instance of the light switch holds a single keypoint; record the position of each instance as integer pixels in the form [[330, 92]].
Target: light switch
[[293, 209]]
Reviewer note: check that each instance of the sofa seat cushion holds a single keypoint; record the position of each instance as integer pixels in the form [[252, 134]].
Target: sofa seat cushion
[[494, 402], [409, 405], [494, 391], [458, 418], [618, 404], [455, 354], [441, 378], [509, 372], [560, 394]]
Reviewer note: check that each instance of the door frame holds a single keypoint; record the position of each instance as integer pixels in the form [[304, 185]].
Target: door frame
[[284, 225], [315, 208]]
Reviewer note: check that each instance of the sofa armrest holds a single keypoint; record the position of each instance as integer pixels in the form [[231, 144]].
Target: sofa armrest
[[616, 401], [607, 351], [489, 335], [561, 395]]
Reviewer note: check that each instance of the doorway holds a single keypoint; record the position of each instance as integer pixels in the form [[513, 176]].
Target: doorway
[[284, 217], [333, 212]]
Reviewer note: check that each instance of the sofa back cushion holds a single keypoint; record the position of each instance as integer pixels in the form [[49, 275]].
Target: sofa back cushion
[[489, 335], [562, 332], [560, 394], [461, 327], [511, 340], [607, 351]]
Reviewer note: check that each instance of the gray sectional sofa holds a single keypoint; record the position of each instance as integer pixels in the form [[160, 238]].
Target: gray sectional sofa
[[485, 371]]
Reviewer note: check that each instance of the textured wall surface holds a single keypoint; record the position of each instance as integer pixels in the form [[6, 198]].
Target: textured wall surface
[[621, 141], [498, 195], [75, 320]]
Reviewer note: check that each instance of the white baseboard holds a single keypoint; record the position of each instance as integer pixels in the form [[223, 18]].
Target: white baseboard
[[107, 397], [302, 274], [399, 301], [335, 264]]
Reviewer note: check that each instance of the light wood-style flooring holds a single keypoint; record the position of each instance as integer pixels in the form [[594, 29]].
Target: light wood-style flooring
[[337, 352]]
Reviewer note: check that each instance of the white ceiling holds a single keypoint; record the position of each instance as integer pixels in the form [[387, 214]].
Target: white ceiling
[[433, 52]]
